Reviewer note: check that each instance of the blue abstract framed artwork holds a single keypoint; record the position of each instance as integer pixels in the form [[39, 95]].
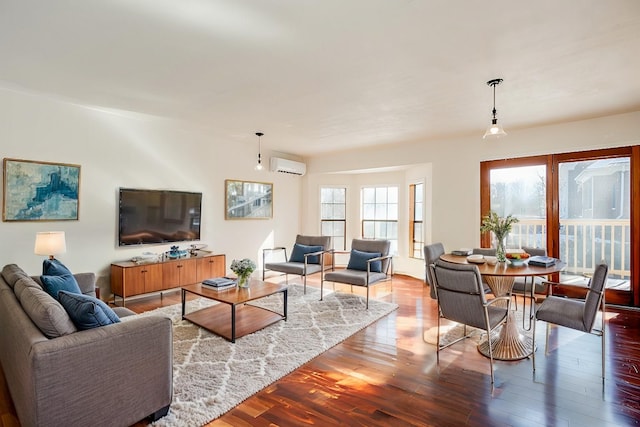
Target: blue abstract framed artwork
[[40, 191]]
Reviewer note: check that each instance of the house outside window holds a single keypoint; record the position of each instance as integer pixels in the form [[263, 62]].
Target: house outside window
[[333, 220], [380, 214]]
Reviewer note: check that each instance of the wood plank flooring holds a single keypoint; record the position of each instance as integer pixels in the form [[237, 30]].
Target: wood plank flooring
[[386, 375]]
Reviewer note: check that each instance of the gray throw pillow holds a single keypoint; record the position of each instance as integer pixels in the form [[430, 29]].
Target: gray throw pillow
[[46, 313], [22, 284], [11, 273]]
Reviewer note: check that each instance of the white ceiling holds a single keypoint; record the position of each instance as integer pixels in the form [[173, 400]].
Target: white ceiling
[[325, 75]]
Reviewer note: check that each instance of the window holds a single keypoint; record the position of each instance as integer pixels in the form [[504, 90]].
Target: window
[[380, 214], [333, 221], [416, 209], [521, 191]]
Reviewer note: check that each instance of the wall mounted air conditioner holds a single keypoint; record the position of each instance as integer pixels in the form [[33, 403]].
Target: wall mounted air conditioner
[[287, 166]]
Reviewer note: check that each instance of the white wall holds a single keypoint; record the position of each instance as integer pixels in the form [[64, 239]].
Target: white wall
[[452, 168], [137, 151], [130, 150]]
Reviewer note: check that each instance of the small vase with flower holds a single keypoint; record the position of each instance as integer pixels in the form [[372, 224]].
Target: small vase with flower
[[500, 227], [243, 269]]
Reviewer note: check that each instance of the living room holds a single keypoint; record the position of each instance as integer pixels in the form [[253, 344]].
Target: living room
[[54, 111]]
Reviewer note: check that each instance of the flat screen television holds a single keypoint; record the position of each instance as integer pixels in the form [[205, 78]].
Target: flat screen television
[[158, 216]]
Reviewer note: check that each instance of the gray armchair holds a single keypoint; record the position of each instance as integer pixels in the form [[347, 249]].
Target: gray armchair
[[307, 257], [432, 253], [575, 314], [461, 298], [369, 263]]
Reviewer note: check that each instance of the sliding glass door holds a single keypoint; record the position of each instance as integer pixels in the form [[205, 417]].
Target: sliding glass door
[[578, 206], [594, 218]]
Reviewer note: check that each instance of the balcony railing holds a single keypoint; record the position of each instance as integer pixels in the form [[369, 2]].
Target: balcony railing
[[583, 243]]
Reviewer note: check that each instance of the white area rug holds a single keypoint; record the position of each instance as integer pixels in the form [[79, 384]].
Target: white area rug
[[212, 375]]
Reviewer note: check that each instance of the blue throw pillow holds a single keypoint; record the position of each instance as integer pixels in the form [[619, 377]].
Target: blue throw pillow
[[87, 312], [358, 261], [53, 267], [55, 284], [297, 255]]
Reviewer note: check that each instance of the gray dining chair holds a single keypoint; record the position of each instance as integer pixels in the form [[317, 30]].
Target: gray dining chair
[[575, 314], [529, 287], [484, 252], [432, 253], [307, 258], [461, 298], [369, 263]]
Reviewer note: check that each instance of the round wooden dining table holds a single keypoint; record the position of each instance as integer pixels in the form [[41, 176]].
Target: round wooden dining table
[[510, 343]]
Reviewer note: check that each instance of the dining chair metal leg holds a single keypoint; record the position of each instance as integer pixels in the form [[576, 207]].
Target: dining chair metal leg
[[546, 341]]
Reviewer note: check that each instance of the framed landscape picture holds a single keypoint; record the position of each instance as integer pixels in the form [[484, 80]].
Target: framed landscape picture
[[248, 200], [40, 191]]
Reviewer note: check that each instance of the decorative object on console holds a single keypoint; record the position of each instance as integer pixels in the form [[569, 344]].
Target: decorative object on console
[[147, 257], [40, 191], [248, 200], [50, 243], [259, 166], [175, 252], [500, 227], [243, 268], [195, 248], [494, 130]]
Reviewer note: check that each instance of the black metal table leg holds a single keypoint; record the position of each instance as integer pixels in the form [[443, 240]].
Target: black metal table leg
[[284, 301], [184, 294], [233, 323]]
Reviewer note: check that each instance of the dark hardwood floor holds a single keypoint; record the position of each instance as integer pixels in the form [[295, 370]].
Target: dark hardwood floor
[[386, 375]]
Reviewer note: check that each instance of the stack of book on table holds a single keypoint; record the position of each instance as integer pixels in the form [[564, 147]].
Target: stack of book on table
[[219, 283], [542, 261]]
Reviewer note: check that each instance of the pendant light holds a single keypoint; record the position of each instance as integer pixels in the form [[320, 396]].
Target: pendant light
[[494, 130], [259, 164]]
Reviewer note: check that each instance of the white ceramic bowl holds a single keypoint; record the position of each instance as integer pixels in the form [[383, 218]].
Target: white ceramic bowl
[[491, 260]]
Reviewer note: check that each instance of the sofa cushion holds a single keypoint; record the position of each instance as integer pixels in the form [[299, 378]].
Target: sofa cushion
[[87, 312], [12, 273], [358, 261], [55, 284], [45, 312], [299, 251], [53, 267]]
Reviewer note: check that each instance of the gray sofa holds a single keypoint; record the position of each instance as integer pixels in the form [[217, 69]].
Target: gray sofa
[[114, 375]]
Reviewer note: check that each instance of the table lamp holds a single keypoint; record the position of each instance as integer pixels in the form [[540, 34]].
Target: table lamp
[[50, 243]]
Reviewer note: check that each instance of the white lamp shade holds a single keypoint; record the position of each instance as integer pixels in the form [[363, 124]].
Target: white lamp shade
[[50, 243]]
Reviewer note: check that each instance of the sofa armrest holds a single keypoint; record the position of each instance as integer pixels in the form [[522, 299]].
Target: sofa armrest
[[87, 283], [120, 372]]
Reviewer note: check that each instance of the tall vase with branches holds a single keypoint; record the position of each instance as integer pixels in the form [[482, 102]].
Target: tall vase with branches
[[500, 227]]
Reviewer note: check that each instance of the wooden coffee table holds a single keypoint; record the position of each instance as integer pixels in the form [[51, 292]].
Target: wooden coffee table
[[234, 317]]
